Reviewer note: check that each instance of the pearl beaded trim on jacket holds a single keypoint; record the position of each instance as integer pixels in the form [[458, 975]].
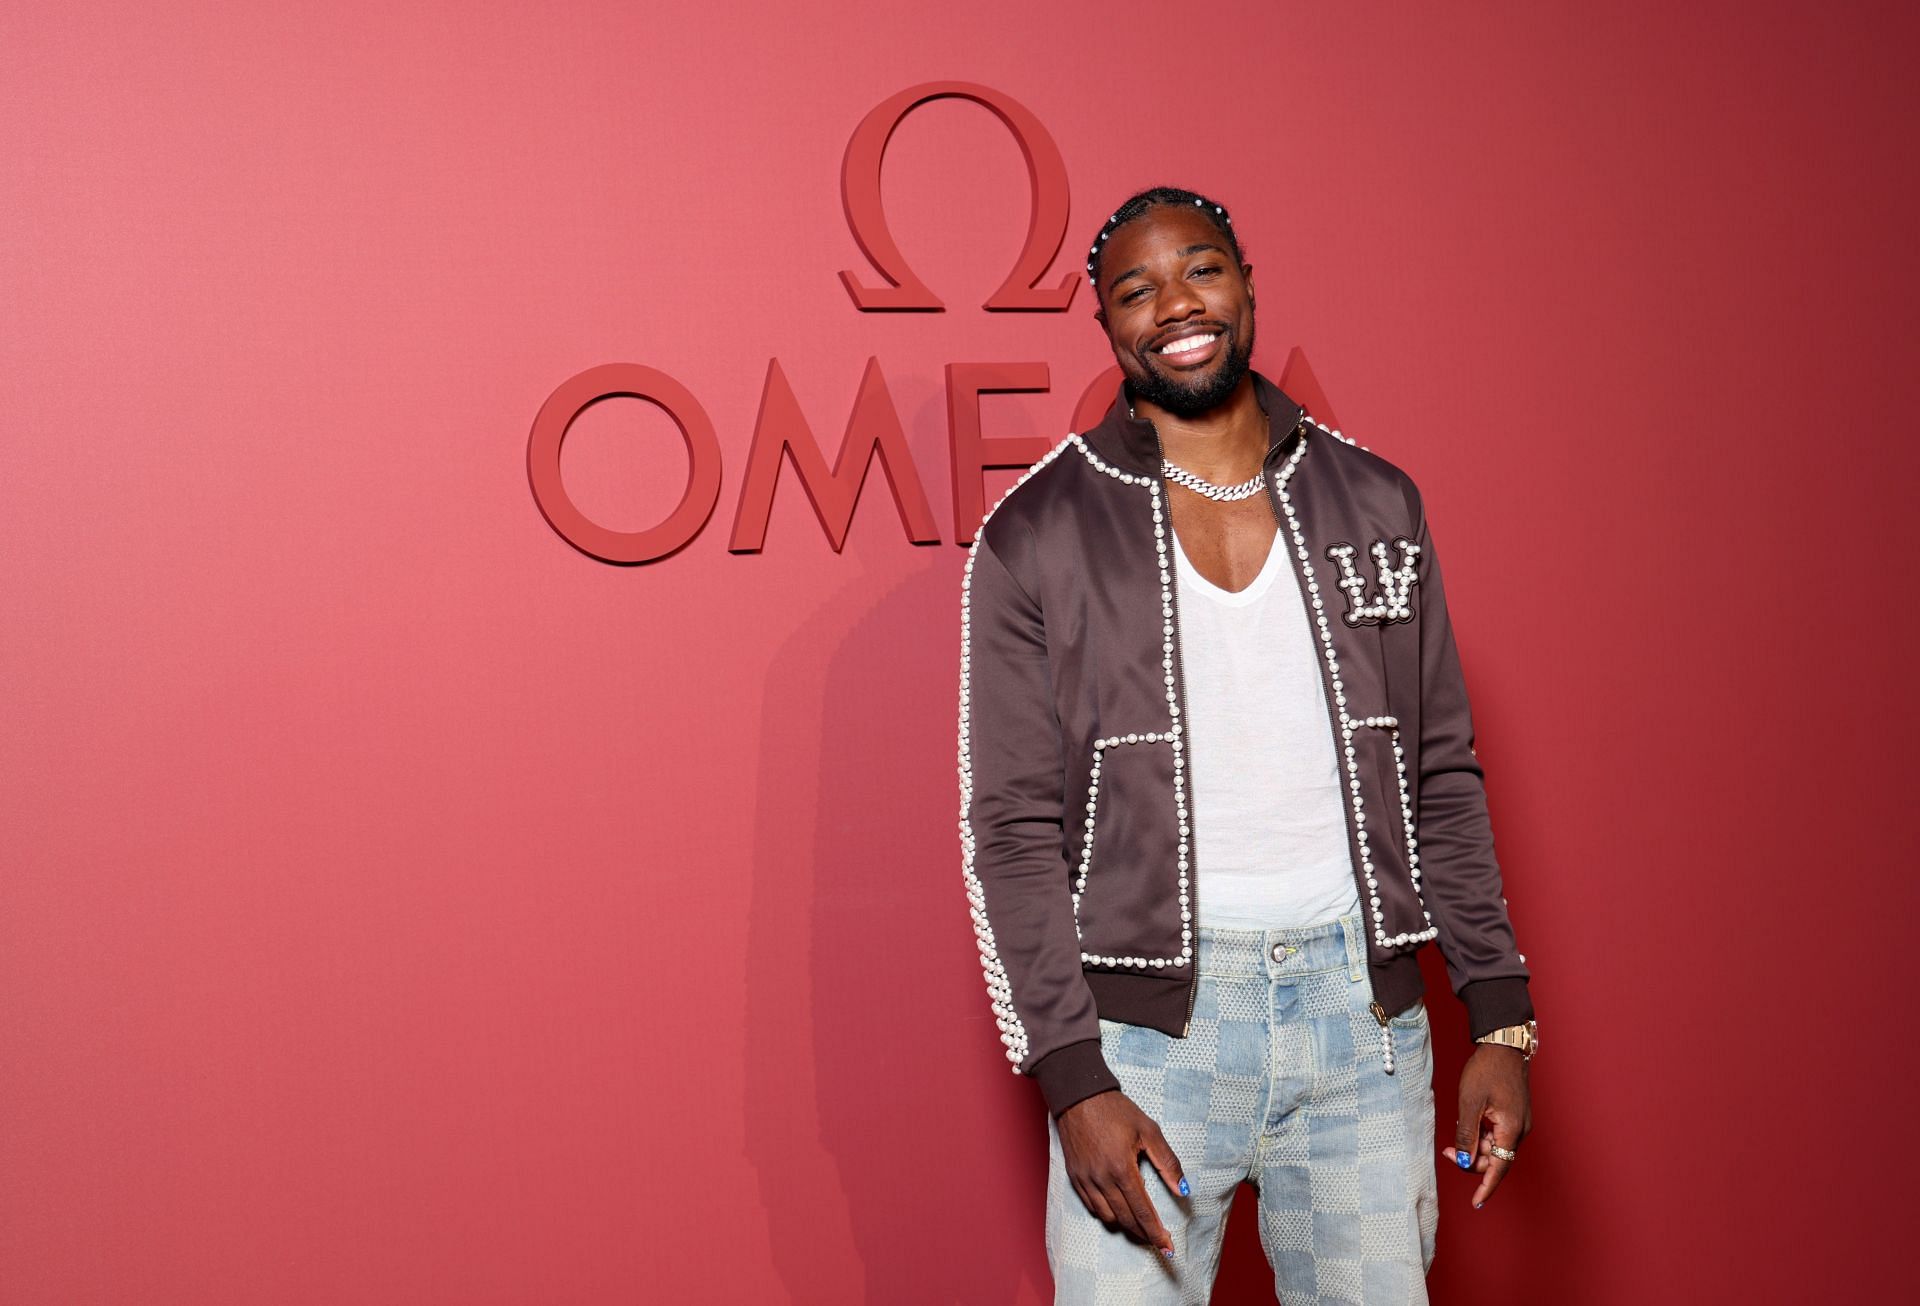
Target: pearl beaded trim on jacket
[[1394, 601]]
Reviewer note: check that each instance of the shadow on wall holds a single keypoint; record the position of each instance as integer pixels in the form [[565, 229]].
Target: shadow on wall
[[879, 1118]]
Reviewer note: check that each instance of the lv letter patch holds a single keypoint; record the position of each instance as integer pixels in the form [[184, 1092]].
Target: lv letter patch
[[1395, 600]]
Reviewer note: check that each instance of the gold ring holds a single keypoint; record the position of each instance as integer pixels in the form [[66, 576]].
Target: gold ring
[[1503, 1153]]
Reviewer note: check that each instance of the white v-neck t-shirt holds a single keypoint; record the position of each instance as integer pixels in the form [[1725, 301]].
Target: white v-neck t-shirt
[[1270, 832]]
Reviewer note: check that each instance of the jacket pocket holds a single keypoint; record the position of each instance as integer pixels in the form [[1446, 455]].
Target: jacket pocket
[[1128, 883], [1391, 844]]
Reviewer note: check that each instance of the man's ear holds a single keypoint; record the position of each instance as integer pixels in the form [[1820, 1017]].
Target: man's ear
[[1246, 274], [1100, 316]]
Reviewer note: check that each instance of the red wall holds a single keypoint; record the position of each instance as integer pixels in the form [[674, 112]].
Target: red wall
[[400, 905]]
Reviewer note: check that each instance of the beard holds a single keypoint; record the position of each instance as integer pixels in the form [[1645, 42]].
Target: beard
[[1189, 397]]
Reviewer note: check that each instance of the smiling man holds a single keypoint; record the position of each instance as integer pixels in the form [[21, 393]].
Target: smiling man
[[1217, 788]]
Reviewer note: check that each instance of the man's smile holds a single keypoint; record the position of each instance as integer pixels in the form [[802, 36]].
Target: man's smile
[[1190, 348]]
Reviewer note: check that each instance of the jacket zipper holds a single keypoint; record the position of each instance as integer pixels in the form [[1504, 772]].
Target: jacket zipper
[[1180, 693], [1326, 677], [1333, 721]]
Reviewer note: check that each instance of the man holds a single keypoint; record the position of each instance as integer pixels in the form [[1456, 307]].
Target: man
[[1217, 787]]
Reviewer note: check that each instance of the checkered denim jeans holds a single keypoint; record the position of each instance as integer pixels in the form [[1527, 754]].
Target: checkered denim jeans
[[1280, 1080]]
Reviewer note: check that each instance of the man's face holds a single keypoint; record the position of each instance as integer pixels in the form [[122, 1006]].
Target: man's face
[[1168, 278]]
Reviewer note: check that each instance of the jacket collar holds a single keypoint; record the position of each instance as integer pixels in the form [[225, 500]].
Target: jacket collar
[[1133, 444]]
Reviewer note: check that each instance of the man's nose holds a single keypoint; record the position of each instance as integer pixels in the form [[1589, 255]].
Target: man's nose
[[1177, 301]]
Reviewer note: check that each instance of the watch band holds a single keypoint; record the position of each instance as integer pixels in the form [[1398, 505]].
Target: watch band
[[1524, 1037]]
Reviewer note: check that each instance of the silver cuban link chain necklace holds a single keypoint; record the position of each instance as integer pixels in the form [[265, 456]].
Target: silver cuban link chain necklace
[[1223, 493]]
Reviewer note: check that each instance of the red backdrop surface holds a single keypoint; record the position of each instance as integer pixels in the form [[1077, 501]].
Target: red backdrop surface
[[401, 905]]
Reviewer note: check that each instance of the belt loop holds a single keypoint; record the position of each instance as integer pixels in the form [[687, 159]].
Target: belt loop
[[1356, 947]]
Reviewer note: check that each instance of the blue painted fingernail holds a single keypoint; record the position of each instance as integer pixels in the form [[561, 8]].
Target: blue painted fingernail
[[1167, 1252], [1184, 1190], [1462, 1160]]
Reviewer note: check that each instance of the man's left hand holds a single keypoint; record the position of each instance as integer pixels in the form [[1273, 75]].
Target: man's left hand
[[1494, 1109]]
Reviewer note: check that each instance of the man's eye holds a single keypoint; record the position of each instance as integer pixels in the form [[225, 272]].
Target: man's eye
[[1199, 271], [1132, 295]]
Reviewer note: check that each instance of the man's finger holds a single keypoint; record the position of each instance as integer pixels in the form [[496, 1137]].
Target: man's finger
[[1164, 1160], [1495, 1173], [1114, 1193], [1506, 1133], [1146, 1218], [1466, 1130], [1095, 1202]]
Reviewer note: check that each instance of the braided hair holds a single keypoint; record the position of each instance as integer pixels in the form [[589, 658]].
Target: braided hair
[[1147, 199]]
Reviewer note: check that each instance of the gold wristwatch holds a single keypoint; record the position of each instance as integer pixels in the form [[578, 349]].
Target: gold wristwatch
[[1524, 1037]]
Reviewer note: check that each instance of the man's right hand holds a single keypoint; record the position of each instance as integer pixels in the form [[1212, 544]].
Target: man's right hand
[[1102, 1137]]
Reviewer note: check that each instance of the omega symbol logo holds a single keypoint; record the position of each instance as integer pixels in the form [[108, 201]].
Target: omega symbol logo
[[1396, 583], [1046, 221]]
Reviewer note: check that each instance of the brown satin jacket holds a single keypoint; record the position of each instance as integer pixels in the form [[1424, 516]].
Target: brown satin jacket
[[1076, 826]]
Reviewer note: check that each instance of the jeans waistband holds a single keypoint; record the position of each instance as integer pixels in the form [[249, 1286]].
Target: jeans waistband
[[1278, 954]]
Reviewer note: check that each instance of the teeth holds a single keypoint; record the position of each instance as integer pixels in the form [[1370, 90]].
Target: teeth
[[1188, 344]]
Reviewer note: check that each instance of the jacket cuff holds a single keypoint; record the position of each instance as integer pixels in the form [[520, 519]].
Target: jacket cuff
[[1496, 1003], [1070, 1074]]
